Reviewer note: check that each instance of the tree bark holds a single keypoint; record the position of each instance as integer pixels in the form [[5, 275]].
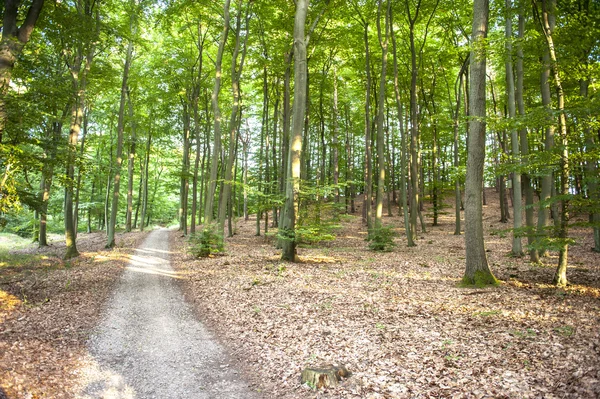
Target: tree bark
[[295, 155], [214, 166], [517, 248], [235, 114], [131, 164], [477, 271], [120, 130], [383, 41], [403, 193]]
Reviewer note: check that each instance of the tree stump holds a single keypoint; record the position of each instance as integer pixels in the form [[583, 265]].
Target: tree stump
[[325, 377]]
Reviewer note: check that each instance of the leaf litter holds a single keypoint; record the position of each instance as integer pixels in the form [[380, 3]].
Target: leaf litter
[[396, 320]]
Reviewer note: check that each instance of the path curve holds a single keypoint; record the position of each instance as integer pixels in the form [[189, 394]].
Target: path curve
[[150, 345]]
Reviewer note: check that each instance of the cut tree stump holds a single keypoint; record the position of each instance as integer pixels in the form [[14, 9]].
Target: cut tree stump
[[324, 377]]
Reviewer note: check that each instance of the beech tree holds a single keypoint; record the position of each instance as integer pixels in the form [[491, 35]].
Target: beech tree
[[477, 270]]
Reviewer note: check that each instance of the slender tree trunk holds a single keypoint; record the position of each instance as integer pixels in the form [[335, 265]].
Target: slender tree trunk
[[185, 168], [131, 164], [414, 134], [120, 130], [78, 184], [547, 23], [477, 270], [146, 179], [235, 111], [403, 193], [138, 202], [368, 189], [517, 248], [383, 41], [295, 156], [527, 187], [214, 166], [334, 142]]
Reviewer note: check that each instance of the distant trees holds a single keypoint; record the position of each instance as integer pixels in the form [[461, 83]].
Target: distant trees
[[385, 102]]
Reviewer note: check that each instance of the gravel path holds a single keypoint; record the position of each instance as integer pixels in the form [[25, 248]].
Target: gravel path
[[150, 345]]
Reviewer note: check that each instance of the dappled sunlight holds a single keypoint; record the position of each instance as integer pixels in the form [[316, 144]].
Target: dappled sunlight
[[319, 259], [145, 260], [158, 272], [571, 289], [153, 251], [98, 382], [8, 303]]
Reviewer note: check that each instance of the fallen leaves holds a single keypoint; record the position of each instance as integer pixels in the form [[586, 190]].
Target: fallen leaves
[[398, 320], [50, 312]]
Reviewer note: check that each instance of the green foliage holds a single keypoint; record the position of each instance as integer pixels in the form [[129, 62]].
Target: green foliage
[[381, 239], [206, 243]]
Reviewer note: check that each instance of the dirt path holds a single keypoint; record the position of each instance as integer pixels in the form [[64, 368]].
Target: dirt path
[[150, 345]]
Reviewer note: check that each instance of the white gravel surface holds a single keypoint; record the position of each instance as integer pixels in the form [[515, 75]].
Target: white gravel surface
[[149, 344]]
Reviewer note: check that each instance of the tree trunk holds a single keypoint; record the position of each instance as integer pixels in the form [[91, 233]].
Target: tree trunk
[[120, 130], [547, 23], [131, 164], [517, 249], [235, 114], [146, 179], [209, 206], [368, 189], [293, 183], [527, 187], [414, 133], [78, 184], [185, 168], [403, 193], [477, 271], [383, 41]]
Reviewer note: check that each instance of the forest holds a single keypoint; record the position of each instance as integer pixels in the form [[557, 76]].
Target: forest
[[299, 123]]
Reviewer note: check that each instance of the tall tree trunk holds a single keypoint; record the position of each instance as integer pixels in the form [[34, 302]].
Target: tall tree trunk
[[477, 270], [146, 179], [214, 166], [517, 248], [547, 23], [78, 184], [547, 180], [383, 41], [120, 130], [235, 114], [185, 168], [414, 130], [368, 189], [334, 141], [295, 155], [131, 164], [527, 186], [457, 198], [403, 193]]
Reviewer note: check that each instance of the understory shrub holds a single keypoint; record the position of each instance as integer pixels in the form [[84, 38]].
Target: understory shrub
[[205, 243], [381, 239]]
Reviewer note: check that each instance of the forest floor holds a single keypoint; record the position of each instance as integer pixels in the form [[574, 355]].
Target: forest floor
[[48, 308], [398, 320]]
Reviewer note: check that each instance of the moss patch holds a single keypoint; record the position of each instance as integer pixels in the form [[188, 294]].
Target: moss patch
[[480, 279]]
